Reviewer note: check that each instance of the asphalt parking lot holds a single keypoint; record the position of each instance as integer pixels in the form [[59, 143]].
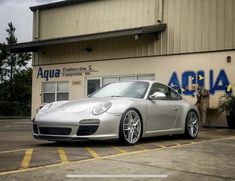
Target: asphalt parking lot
[[209, 157]]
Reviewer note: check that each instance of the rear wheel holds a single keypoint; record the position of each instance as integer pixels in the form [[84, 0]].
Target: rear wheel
[[192, 125], [130, 127]]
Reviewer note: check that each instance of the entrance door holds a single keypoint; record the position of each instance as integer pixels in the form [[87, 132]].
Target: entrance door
[[93, 85]]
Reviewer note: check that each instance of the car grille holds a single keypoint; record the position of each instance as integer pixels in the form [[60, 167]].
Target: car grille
[[55, 131], [87, 130], [35, 129]]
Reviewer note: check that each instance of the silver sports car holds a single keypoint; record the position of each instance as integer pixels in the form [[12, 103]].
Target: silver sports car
[[125, 110]]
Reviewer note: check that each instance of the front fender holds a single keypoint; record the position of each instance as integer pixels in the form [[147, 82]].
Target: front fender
[[120, 106]]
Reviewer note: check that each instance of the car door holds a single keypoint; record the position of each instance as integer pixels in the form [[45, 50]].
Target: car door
[[162, 113]]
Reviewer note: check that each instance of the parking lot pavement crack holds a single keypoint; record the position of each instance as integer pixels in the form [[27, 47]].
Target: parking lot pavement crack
[[171, 169]]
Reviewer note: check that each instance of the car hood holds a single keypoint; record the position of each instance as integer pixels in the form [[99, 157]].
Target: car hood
[[89, 103]]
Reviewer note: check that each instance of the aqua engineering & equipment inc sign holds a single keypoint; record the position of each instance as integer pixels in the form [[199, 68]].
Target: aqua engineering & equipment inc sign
[[65, 72]]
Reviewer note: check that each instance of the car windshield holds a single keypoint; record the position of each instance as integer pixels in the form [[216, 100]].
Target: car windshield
[[123, 89]]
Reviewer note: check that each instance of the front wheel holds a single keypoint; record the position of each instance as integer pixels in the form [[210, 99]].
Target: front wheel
[[130, 127], [192, 125]]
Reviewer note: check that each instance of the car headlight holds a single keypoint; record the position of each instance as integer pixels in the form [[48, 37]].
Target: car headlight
[[44, 108], [101, 108]]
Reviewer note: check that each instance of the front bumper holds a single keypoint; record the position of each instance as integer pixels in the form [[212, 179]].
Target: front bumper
[[108, 128]]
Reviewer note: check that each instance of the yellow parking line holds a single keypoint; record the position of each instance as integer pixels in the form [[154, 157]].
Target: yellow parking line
[[177, 144], [141, 147], [162, 146], [104, 157], [119, 149], [62, 154], [27, 158], [93, 153]]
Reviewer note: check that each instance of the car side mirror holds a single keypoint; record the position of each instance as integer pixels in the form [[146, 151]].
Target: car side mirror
[[157, 95]]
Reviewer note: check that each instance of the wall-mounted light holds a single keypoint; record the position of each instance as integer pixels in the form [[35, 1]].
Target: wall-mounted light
[[87, 49], [228, 59]]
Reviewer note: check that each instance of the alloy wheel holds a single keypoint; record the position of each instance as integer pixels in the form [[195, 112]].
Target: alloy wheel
[[192, 124], [132, 127]]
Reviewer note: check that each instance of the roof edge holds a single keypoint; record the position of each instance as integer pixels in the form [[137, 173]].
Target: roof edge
[[58, 4], [32, 46]]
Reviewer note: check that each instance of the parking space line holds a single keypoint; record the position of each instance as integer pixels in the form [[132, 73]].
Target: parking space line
[[177, 144], [92, 152], [119, 149], [27, 158], [106, 157], [62, 154], [162, 146], [141, 147], [10, 151]]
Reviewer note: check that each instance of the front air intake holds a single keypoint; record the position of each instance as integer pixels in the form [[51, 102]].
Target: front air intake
[[85, 130], [55, 131], [35, 129]]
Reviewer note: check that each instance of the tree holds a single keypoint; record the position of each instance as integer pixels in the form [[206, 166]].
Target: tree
[[2, 61], [14, 73]]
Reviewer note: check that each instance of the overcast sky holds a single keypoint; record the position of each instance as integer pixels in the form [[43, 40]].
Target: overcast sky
[[18, 12]]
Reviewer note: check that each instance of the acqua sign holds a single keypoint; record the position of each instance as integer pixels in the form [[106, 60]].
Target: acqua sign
[[48, 73], [216, 83]]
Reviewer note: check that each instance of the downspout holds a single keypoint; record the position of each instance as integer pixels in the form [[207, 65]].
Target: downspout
[[159, 20], [36, 36], [160, 15], [161, 6]]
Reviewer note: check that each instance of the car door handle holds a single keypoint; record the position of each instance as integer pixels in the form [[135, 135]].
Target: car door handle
[[175, 108]]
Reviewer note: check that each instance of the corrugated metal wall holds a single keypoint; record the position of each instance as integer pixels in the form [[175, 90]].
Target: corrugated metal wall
[[192, 26], [100, 49], [97, 16], [198, 25]]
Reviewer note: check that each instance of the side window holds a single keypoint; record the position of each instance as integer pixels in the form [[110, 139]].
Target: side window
[[174, 95], [160, 88]]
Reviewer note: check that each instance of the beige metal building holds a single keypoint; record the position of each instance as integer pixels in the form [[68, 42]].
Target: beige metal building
[[80, 45]]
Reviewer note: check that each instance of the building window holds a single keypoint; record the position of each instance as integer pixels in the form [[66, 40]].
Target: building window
[[146, 77], [55, 91], [95, 83], [107, 80]]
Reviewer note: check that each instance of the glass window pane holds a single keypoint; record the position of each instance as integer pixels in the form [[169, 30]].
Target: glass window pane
[[48, 97], [174, 95], [49, 87], [127, 78], [92, 86], [62, 87], [160, 88], [62, 96], [123, 89], [146, 77], [107, 80]]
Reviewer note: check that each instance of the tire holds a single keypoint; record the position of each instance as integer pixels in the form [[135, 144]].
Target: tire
[[130, 129], [191, 125]]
